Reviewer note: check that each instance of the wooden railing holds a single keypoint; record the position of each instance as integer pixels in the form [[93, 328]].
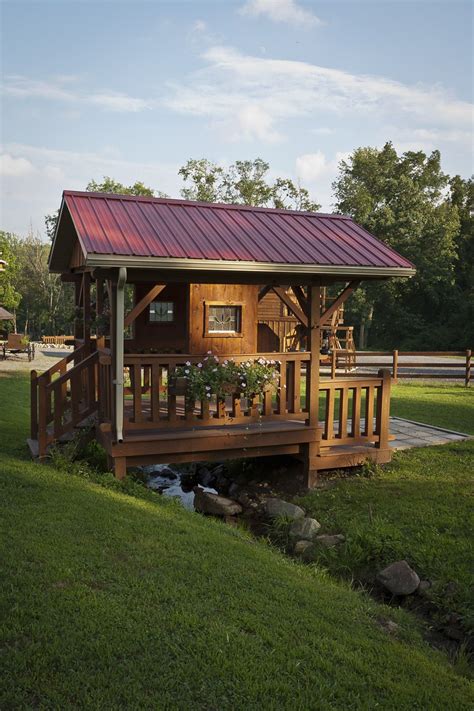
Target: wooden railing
[[152, 400], [56, 340], [63, 397], [356, 411]]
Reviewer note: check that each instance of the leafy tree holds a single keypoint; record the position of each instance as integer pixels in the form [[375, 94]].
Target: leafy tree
[[10, 297], [402, 200], [243, 183]]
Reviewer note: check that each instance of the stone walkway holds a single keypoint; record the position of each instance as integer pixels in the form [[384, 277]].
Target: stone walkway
[[410, 434]]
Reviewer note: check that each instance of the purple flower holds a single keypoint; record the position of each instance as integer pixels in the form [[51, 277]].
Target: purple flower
[[199, 365]]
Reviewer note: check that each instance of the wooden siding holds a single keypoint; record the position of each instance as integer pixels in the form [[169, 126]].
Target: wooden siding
[[162, 337], [247, 295]]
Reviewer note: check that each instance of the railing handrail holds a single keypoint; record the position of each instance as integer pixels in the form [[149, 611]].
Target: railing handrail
[[93, 357]]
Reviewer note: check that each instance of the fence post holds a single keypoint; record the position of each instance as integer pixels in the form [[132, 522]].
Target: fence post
[[468, 368], [333, 363], [383, 409], [395, 367]]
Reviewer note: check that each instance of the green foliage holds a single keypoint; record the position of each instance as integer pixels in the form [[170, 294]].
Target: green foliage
[[409, 203], [109, 185], [95, 579], [244, 182], [9, 295], [213, 376]]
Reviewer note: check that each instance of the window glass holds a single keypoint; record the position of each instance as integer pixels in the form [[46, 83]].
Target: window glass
[[224, 319], [161, 311]]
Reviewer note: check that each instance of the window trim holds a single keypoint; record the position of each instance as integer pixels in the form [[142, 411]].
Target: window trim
[[223, 334], [161, 323]]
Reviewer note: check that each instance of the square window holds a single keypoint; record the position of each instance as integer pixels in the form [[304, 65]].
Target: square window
[[224, 319], [161, 311]]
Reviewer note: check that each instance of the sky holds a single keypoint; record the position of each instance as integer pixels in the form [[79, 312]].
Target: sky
[[133, 89]]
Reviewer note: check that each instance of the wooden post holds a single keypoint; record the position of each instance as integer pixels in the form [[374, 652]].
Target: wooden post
[[86, 313], [395, 367], [383, 410], [467, 379], [333, 363], [34, 404], [42, 418], [312, 393], [77, 304]]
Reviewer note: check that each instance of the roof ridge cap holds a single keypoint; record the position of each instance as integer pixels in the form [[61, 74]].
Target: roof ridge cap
[[201, 203]]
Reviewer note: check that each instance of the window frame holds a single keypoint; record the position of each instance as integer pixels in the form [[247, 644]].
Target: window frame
[[161, 323], [223, 334]]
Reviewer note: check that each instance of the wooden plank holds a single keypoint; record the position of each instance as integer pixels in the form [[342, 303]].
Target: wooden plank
[[356, 405], [267, 403], [301, 297], [172, 417], [263, 292], [343, 408], [383, 410], [297, 387], [143, 303], [369, 411], [281, 398], [329, 414], [156, 372], [136, 375]]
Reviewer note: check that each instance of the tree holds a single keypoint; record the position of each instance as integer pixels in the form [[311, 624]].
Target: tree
[[108, 185], [10, 297], [243, 183], [402, 200]]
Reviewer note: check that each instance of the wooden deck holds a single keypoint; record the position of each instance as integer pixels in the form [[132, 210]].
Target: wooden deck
[[161, 426]]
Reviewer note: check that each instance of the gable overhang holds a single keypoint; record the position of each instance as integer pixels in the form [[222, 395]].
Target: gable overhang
[[170, 264]]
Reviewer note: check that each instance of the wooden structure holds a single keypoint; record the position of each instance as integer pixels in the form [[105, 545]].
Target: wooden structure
[[198, 273], [18, 344]]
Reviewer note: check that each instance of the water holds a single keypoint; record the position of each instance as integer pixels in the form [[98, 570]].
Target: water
[[170, 481]]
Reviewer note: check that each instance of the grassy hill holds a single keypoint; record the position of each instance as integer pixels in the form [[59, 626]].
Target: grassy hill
[[113, 600]]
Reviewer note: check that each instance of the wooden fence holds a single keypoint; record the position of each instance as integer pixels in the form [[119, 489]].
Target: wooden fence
[[455, 369]]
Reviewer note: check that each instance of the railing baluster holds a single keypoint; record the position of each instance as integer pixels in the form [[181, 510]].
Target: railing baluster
[[329, 423], [369, 411], [267, 403], [155, 392], [172, 415], [220, 404], [290, 386], [282, 408], [236, 406], [297, 387], [343, 407], [356, 405], [136, 374]]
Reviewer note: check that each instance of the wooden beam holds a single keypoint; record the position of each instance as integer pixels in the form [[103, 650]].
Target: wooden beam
[[86, 298], [263, 292], [143, 303], [312, 387], [294, 308], [301, 296], [343, 296]]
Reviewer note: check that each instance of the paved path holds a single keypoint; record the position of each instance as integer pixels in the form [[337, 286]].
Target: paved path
[[410, 434]]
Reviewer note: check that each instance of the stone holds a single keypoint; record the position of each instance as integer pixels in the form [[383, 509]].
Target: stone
[[304, 529], [330, 541], [389, 626], [208, 503], [244, 499], [399, 579], [278, 507], [206, 478], [424, 586], [300, 547], [234, 490]]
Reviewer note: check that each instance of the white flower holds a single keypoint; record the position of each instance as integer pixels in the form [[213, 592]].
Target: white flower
[[208, 394], [199, 365], [214, 370], [206, 358], [187, 371], [209, 352], [188, 362], [226, 362], [216, 359], [244, 385], [261, 361], [208, 387]]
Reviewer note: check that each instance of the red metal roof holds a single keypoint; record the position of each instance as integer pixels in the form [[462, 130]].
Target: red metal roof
[[109, 224]]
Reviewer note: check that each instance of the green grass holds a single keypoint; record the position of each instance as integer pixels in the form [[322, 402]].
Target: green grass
[[444, 405], [118, 601], [419, 507]]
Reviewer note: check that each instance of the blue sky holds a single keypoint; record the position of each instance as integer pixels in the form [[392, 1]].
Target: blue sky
[[133, 89]]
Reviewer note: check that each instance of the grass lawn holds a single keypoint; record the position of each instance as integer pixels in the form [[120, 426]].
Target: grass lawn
[[419, 507], [113, 600], [444, 405]]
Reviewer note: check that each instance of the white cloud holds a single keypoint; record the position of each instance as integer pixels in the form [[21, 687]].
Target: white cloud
[[311, 166], [317, 172], [64, 89], [286, 89], [199, 26], [287, 11], [46, 172], [14, 167]]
